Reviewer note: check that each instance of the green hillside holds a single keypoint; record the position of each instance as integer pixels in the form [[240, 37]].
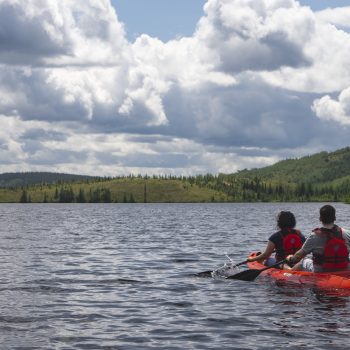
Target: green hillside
[[320, 177], [319, 168], [323, 176], [122, 190]]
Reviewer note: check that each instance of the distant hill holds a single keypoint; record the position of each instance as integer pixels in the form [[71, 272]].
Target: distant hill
[[32, 178], [324, 176], [316, 169]]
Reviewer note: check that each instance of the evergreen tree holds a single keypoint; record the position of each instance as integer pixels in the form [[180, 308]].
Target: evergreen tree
[[66, 195], [106, 195], [24, 197], [96, 196], [81, 196], [56, 196]]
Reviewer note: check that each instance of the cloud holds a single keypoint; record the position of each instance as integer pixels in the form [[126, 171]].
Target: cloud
[[29, 32], [250, 35], [335, 110], [258, 81], [44, 32], [339, 17], [327, 49]]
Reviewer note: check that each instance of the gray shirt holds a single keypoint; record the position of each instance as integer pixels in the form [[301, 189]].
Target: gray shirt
[[315, 244]]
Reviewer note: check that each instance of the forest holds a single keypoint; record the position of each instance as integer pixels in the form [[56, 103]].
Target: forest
[[320, 177]]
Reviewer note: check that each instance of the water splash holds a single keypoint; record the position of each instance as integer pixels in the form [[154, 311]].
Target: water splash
[[228, 269]]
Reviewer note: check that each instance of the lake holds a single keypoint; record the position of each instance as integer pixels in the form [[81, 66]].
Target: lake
[[121, 276]]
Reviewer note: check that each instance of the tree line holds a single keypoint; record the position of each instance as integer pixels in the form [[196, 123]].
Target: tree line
[[233, 188], [67, 195]]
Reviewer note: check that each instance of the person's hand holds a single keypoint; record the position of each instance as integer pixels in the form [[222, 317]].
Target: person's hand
[[250, 259], [289, 258]]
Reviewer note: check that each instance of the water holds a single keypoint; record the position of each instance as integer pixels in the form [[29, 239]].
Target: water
[[120, 276]]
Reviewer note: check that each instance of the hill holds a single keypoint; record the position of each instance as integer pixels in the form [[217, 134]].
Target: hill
[[123, 190], [32, 178], [323, 176], [318, 168]]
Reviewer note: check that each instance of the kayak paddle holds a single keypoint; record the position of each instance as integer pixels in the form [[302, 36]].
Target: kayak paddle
[[208, 273], [251, 275]]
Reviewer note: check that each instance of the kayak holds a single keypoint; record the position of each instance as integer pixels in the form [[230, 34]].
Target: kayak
[[322, 280]]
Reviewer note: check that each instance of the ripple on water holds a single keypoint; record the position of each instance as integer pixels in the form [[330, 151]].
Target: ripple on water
[[122, 277]]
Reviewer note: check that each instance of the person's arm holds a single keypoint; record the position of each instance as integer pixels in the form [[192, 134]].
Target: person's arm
[[293, 259], [307, 248], [266, 254], [346, 234]]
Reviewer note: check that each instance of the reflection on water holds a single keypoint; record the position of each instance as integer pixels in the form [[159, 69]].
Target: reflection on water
[[113, 276]]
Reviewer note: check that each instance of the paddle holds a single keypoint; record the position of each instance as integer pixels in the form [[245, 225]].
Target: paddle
[[208, 273], [251, 275]]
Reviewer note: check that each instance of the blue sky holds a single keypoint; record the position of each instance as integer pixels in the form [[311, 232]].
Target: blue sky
[[167, 19], [164, 19], [322, 4], [110, 88]]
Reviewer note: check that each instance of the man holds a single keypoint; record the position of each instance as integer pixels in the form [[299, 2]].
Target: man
[[329, 245]]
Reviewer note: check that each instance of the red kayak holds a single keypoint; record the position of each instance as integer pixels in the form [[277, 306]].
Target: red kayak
[[322, 280]]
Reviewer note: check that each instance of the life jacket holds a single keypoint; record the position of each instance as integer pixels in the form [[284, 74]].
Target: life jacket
[[291, 242], [335, 255]]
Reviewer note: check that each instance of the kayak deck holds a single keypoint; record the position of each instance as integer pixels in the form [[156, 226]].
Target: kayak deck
[[323, 280]]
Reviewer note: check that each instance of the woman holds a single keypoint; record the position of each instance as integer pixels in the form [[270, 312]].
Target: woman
[[283, 242]]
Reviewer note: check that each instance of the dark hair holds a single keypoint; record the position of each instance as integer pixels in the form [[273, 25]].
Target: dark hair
[[286, 219], [327, 214]]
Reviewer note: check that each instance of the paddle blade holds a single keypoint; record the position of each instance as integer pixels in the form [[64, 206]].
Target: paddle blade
[[251, 275], [220, 272], [247, 275], [204, 274]]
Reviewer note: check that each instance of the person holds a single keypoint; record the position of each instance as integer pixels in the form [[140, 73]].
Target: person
[[286, 241], [329, 246]]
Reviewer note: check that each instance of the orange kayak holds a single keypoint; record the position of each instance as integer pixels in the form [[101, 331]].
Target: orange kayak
[[322, 280]]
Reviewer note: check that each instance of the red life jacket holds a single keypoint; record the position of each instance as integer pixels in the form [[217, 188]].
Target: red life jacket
[[291, 242], [335, 255]]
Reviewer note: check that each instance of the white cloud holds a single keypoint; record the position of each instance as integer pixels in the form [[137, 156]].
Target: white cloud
[[253, 76], [251, 35], [48, 32], [327, 49], [327, 108], [339, 17]]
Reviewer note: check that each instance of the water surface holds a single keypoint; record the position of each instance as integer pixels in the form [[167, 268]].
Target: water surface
[[120, 276]]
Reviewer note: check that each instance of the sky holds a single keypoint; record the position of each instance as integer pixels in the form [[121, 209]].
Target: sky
[[113, 87], [169, 19]]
